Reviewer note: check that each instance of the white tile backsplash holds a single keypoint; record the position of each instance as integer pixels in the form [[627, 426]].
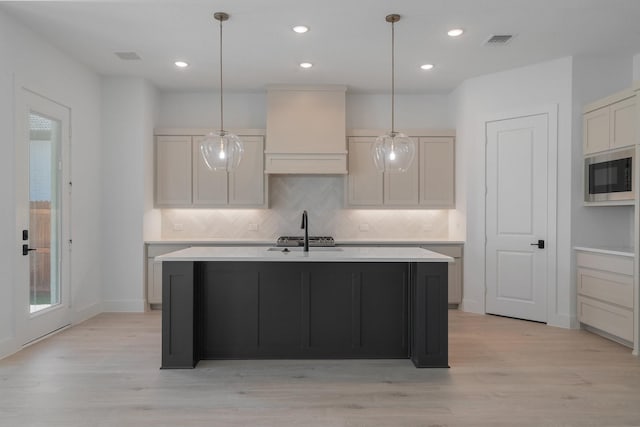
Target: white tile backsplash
[[323, 198]]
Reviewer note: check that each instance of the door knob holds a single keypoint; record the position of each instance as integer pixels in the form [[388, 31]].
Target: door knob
[[540, 244], [26, 249]]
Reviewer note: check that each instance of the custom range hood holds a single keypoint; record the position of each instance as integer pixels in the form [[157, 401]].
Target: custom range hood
[[306, 130]]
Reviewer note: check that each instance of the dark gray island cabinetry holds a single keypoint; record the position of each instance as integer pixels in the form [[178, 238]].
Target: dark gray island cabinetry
[[260, 304]]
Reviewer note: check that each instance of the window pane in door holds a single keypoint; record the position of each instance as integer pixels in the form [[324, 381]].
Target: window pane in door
[[44, 203]]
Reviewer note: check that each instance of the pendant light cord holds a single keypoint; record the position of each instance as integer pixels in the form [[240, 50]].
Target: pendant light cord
[[393, 78], [221, 103]]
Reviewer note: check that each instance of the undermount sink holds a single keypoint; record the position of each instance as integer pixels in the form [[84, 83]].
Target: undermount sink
[[300, 248]]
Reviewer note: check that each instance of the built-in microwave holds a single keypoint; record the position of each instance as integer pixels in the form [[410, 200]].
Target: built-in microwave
[[609, 176]]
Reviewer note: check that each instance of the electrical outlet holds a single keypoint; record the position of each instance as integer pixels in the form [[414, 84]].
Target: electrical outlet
[[364, 227], [253, 227], [427, 227], [178, 227]]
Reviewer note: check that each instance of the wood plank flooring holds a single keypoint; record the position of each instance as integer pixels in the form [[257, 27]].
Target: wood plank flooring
[[504, 372]]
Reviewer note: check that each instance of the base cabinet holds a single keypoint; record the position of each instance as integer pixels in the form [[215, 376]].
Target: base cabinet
[[605, 293]]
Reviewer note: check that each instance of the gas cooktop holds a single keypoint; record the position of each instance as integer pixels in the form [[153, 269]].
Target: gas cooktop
[[316, 241]]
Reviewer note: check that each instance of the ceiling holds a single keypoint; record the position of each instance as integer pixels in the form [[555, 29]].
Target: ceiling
[[349, 41]]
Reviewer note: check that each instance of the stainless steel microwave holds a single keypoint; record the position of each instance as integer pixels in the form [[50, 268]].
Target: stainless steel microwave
[[609, 176]]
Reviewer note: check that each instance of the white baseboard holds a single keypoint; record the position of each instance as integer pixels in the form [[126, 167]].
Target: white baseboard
[[86, 313], [124, 306], [472, 306], [563, 321], [8, 347]]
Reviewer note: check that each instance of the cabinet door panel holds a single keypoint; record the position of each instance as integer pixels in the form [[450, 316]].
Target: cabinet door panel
[[209, 187], [364, 180], [384, 312], [402, 188], [623, 123], [230, 322], [596, 130], [173, 171], [280, 312], [246, 184], [330, 311], [437, 172]]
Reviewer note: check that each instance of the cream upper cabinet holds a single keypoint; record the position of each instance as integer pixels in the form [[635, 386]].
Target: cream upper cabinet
[[610, 123], [364, 183], [429, 182], [209, 187], [184, 180], [437, 172], [247, 183], [173, 171], [402, 188]]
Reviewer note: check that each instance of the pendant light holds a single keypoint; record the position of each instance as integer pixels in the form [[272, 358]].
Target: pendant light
[[221, 150], [393, 151]]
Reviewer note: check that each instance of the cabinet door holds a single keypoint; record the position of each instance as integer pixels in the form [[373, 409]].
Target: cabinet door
[[401, 188], [596, 130], [154, 282], [455, 282], [623, 123], [246, 184], [437, 172], [209, 187], [364, 182], [173, 171]]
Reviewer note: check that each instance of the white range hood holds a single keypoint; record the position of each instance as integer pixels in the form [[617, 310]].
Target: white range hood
[[306, 130]]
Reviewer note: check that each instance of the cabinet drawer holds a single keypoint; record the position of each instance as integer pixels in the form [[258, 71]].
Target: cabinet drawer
[[452, 251], [609, 318], [612, 263], [608, 287]]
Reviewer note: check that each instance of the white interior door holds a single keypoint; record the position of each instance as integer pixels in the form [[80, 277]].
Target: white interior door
[[516, 217], [42, 216]]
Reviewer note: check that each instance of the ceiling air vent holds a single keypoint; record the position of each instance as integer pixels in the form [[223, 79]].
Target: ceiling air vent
[[499, 40], [128, 56]]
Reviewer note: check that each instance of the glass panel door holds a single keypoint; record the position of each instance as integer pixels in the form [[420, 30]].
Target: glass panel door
[[43, 226], [44, 207]]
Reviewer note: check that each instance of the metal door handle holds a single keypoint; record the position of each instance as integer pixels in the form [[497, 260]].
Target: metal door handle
[[540, 244], [26, 249]]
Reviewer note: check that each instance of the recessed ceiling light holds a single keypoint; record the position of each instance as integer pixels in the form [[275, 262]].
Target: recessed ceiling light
[[427, 66], [455, 32], [181, 64], [300, 29], [306, 65]]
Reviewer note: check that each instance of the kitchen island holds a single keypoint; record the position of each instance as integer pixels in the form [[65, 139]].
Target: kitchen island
[[339, 302]]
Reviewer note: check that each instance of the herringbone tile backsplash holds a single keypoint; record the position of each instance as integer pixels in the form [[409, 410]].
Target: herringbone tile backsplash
[[323, 198]]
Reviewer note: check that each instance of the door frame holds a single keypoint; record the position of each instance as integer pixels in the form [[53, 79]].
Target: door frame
[[27, 332], [551, 241]]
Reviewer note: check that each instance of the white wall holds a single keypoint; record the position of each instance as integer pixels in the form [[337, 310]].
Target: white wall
[[128, 115], [249, 110], [476, 101], [636, 68], [49, 72]]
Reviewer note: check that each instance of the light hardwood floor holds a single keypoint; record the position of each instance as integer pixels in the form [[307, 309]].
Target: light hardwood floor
[[504, 372]]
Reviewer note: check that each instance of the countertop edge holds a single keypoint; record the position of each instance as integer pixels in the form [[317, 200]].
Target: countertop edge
[[626, 252], [349, 242]]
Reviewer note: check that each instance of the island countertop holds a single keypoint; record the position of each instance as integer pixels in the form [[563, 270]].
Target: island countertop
[[315, 254]]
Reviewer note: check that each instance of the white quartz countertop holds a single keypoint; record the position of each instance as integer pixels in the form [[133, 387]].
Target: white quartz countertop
[[276, 254]]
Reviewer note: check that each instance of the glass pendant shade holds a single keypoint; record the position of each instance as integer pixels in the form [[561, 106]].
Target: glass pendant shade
[[221, 151], [393, 152]]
